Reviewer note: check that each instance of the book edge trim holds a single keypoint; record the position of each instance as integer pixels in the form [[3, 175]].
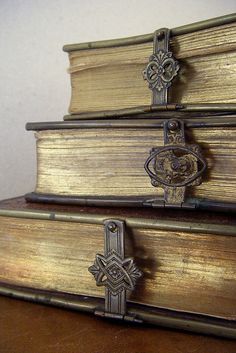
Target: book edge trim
[[197, 122], [145, 110], [132, 222], [87, 200], [196, 26], [200, 323]]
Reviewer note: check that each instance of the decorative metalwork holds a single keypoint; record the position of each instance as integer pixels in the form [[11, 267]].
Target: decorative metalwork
[[112, 270], [115, 273], [162, 67], [176, 165]]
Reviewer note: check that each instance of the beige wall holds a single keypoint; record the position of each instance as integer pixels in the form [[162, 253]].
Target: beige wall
[[34, 85]]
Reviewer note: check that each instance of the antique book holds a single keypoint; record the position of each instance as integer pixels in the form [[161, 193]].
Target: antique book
[[170, 268], [177, 161], [113, 77]]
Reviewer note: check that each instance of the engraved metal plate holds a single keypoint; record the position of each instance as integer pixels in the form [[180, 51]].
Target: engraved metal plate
[[176, 165], [162, 67], [112, 270]]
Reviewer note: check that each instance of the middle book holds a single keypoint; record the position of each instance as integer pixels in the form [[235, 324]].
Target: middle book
[[171, 160]]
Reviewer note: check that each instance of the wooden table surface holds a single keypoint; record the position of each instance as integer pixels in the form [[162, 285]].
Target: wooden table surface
[[32, 328]]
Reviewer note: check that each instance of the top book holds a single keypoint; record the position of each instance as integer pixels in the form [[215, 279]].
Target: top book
[[189, 65]]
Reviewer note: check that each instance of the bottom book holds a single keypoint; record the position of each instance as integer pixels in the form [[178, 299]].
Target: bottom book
[[171, 268]]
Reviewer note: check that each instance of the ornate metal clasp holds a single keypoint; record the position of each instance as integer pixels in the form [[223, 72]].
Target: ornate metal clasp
[[117, 273], [162, 67], [176, 165]]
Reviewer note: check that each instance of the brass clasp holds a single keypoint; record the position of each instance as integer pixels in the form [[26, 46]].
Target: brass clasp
[[176, 165], [114, 271], [162, 67]]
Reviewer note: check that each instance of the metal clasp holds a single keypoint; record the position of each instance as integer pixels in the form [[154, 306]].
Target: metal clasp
[[176, 165], [162, 67], [114, 271]]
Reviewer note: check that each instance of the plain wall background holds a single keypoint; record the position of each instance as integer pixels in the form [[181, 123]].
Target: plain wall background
[[34, 85]]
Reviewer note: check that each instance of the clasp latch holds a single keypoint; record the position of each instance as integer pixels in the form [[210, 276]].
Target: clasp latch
[[115, 271], [162, 67], [176, 165]]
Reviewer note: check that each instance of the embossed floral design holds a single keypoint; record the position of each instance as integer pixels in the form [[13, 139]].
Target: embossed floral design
[[161, 70]]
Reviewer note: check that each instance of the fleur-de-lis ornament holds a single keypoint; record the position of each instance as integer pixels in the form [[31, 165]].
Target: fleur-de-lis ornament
[[162, 67]]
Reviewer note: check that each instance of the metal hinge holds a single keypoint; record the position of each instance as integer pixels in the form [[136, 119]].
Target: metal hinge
[[162, 67], [156, 203], [175, 166], [116, 272]]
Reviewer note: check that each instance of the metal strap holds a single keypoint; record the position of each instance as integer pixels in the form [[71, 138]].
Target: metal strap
[[176, 165], [112, 270], [162, 67]]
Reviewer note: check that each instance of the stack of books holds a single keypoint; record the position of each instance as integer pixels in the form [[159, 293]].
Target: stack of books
[[133, 214]]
